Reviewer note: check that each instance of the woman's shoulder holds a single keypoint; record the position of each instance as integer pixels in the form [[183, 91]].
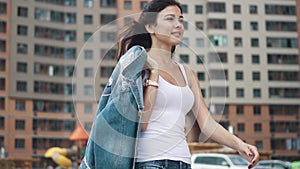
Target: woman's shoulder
[[190, 73], [188, 69]]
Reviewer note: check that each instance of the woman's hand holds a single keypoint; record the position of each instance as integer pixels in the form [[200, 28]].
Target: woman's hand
[[250, 153]]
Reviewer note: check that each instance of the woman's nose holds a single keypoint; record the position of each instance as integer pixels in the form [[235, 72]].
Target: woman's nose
[[178, 24]]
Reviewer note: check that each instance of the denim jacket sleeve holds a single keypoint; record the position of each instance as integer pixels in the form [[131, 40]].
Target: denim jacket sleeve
[[116, 125]]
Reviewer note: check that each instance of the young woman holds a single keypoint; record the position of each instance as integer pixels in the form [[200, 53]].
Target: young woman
[[171, 91]]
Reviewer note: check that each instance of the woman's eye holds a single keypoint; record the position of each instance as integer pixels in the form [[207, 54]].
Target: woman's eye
[[170, 19]]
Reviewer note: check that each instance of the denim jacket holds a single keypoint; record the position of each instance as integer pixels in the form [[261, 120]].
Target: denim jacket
[[116, 126]]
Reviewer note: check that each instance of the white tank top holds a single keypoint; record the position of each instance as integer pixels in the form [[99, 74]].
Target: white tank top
[[164, 137]]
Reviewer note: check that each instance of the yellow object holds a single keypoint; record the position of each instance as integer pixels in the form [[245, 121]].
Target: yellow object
[[58, 155]]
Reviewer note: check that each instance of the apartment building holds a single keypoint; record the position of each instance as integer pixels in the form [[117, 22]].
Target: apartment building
[[4, 64], [56, 56]]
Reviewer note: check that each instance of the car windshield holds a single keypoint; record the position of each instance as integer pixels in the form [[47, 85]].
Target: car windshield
[[238, 160]]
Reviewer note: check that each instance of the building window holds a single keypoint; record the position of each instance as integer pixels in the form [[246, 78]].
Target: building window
[[199, 25], [219, 91], [239, 75], [88, 19], [2, 65], [88, 108], [256, 76], [88, 3], [256, 93], [2, 103], [21, 86], [281, 26], [240, 93], [255, 59], [2, 127], [3, 8], [201, 76], [22, 48], [218, 40], [22, 67], [216, 24], [88, 90], [292, 59], [241, 127], [55, 34], [143, 4], [200, 42], [108, 36], [88, 54], [22, 30], [237, 25], [127, 5], [253, 9], [218, 7], [88, 37], [218, 74], [2, 83], [256, 110], [108, 3], [198, 9], [238, 58], [108, 54], [107, 18], [88, 72], [185, 25], [184, 58], [184, 8], [20, 125], [2, 26], [2, 45], [22, 11], [280, 9], [106, 71], [20, 105], [236, 8], [238, 42], [240, 110], [254, 42], [217, 57], [203, 91], [19, 143], [200, 59], [257, 127], [254, 26], [259, 145], [184, 42], [277, 42]]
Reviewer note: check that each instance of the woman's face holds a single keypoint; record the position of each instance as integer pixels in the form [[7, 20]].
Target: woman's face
[[169, 26]]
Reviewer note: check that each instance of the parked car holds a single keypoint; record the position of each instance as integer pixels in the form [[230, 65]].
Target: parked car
[[218, 161], [278, 164]]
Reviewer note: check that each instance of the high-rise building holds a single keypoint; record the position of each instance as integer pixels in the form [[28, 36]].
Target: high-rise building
[[56, 56]]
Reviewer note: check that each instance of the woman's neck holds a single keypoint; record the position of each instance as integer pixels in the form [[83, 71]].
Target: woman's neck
[[161, 55]]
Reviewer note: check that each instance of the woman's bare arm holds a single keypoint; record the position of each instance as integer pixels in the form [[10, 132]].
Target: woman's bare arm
[[214, 130]]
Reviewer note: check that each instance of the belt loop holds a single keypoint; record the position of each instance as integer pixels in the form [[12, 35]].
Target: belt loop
[[180, 165], [166, 163]]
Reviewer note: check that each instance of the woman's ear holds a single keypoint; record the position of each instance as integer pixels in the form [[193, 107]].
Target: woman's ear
[[150, 28]]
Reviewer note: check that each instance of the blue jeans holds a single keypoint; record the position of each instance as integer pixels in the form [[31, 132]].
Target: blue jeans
[[162, 164]]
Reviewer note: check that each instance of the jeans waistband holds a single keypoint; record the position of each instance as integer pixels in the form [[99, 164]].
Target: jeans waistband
[[164, 164]]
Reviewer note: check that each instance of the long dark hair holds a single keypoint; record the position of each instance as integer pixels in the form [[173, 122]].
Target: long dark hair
[[136, 34]]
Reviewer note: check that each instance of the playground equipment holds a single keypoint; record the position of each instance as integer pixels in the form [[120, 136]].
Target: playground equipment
[[64, 156]]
